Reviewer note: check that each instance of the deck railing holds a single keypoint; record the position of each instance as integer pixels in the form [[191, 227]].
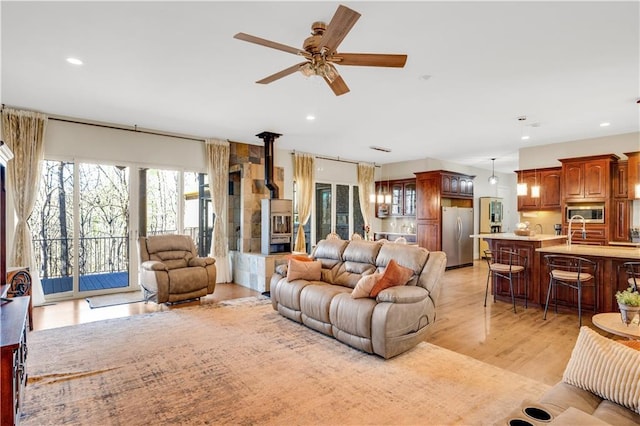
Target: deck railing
[[97, 254]]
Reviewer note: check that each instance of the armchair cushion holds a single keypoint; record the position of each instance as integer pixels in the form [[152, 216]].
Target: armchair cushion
[[154, 265]]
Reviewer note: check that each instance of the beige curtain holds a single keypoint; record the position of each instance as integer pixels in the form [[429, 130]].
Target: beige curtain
[[218, 163], [303, 176], [366, 182], [23, 132]]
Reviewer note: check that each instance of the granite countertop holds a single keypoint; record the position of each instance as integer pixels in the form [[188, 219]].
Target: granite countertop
[[512, 236], [594, 251]]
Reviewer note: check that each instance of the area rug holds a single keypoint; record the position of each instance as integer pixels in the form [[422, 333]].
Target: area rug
[[115, 299], [243, 363]]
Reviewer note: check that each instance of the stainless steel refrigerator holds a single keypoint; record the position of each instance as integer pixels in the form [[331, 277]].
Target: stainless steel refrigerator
[[457, 226]]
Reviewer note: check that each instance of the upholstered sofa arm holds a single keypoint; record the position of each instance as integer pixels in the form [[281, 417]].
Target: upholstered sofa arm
[[201, 261], [402, 294], [153, 265]]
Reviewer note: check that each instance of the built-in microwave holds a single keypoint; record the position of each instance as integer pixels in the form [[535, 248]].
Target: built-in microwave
[[593, 213]]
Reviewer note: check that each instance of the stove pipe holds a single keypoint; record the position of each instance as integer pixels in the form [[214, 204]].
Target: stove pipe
[[269, 138]]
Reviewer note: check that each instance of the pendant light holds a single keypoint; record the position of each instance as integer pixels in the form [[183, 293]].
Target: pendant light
[[521, 187], [535, 189], [493, 179]]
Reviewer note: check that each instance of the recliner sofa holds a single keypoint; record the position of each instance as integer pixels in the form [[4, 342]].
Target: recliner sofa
[[171, 271], [393, 322]]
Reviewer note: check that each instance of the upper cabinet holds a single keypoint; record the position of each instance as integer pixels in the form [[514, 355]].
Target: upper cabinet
[[620, 180], [587, 178], [403, 198], [633, 175], [455, 185], [549, 180]]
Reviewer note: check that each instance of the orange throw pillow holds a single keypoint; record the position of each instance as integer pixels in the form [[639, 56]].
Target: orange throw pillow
[[394, 275], [300, 257]]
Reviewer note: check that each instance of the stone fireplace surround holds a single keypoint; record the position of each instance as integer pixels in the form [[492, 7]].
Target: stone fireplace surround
[[250, 268]]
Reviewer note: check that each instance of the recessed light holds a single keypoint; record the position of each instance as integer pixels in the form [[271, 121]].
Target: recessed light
[[605, 124], [74, 61], [311, 117], [525, 137], [425, 77]]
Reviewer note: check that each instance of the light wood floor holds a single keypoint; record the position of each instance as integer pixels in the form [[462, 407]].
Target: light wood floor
[[523, 342]]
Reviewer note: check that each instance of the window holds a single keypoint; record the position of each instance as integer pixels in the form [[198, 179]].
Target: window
[[337, 209]]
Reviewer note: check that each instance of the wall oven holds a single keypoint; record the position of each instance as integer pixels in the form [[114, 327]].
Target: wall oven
[[593, 213]]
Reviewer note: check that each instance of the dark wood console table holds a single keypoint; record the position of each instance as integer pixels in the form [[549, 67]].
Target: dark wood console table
[[13, 357]]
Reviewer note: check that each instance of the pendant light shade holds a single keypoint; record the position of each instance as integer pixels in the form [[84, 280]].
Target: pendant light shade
[[521, 189], [493, 179]]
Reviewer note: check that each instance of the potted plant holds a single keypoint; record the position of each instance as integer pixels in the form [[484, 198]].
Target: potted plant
[[629, 304]]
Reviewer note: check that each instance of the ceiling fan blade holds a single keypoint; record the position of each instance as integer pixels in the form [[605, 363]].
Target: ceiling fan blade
[[269, 43], [338, 86], [343, 20], [369, 59], [285, 72]]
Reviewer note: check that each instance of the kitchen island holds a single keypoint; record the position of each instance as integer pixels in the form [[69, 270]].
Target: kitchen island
[[525, 246], [611, 275]]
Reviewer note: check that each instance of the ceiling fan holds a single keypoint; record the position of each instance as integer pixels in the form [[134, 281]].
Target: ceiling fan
[[320, 52]]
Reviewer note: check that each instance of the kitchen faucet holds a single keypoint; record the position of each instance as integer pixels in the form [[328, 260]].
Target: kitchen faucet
[[584, 231]]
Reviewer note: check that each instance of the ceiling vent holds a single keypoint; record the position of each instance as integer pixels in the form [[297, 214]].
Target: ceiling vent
[[379, 148]]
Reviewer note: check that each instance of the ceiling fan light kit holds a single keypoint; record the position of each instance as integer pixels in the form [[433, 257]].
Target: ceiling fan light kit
[[320, 52]]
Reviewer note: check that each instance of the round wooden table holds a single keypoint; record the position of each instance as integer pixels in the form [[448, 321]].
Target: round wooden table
[[611, 322]]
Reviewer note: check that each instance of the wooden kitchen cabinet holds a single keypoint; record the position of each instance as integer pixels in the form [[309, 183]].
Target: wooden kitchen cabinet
[[456, 185], [433, 190], [549, 180], [587, 178], [633, 174], [621, 220], [403, 198], [620, 185]]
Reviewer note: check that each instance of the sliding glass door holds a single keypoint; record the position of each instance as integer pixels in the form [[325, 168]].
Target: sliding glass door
[[80, 227], [103, 227]]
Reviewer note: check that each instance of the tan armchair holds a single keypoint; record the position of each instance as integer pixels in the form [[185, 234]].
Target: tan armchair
[[171, 271]]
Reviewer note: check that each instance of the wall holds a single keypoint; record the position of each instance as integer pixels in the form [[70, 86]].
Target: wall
[[548, 155]]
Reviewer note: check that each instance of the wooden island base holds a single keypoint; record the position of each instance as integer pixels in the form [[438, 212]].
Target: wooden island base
[[611, 276], [524, 246]]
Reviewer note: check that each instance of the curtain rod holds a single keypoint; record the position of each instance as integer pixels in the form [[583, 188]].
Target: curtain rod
[[134, 129], [338, 159]]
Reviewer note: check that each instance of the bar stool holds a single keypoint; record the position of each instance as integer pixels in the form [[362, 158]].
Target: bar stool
[[506, 264], [574, 272]]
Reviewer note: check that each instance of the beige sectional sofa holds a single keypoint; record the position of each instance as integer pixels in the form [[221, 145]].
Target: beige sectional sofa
[[600, 386], [391, 323]]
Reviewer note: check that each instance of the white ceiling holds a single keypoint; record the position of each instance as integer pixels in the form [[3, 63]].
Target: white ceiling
[[175, 67]]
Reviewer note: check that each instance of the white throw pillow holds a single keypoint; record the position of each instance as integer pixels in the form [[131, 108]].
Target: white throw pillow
[[364, 285], [606, 368]]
